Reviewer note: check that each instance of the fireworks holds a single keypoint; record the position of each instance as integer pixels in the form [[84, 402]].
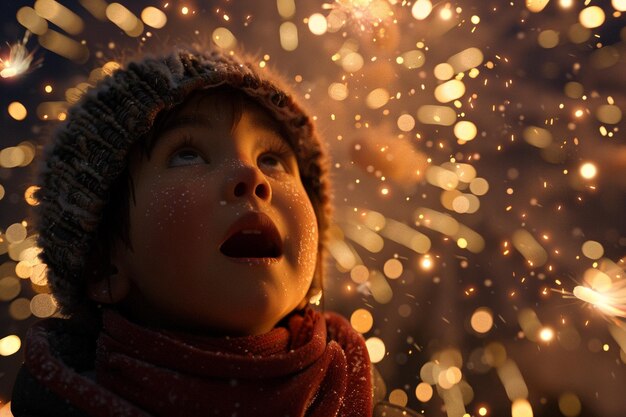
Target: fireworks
[[19, 60]]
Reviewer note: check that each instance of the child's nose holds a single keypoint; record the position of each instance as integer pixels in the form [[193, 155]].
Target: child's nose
[[247, 182]]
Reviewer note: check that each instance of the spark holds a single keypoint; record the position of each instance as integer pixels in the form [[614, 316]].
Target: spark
[[609, 301], [20, 59]]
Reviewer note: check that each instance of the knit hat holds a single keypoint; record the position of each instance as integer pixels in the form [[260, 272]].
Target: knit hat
[[89, 152]]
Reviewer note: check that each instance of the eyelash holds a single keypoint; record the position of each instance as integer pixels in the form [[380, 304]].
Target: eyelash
[[276, 147]]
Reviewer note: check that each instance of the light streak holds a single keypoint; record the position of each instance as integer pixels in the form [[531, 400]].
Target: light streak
[[19, 60]]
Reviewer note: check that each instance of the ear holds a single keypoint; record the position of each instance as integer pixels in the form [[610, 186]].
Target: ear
[[108, 283]]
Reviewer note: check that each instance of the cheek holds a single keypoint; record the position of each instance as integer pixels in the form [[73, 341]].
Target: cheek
[[303, 236], [170, 219]]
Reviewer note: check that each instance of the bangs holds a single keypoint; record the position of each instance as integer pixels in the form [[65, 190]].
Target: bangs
[[223, 101]]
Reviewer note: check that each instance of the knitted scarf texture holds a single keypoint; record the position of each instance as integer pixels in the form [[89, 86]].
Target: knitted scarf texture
[[315, 365]]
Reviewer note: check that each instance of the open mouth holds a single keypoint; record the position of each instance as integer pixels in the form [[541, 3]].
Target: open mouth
[[252, 236]]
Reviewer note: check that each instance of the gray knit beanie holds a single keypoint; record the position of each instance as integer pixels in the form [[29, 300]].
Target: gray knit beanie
[[89, 152]]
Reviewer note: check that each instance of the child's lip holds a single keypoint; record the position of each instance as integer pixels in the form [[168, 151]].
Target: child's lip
[[258, 223]]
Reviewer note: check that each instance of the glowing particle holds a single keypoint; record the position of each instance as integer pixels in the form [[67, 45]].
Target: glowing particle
[[423, 392], [521, 408], [413, 59], [426, 263], [482, 320], [475, 19], [59, 15], [443, 71], [15, 233], [591, 17], [9, 345], [153, 17], [393, 268], [536, 6], [43, 305], [48, 88], [376, 349], [224, 38], [588, 170], [569, 404], [592, 249], [445, 13], [548, 39], [17, 110], [482, 411], [318, 25], [359, 274], [566, 4], [421, 9], [361, 320], [338, 91], [124, 19], [29, 195], [537, 136], [398, 397], [288, 32], [466, 59], [352, 62], [479, 186], [546, 334], [436, 115], [530, 249], [609, 113], [10, 288], [377, 98], [286, 8], [28, 17], [465, 130], [19, 309], [184, 10], [449, 91], [406, 122], [619, 5]]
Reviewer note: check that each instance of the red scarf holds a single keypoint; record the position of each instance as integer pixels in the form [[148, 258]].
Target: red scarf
[[316, 366]]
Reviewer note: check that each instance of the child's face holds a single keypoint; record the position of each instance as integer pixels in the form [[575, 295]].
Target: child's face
[[193, 262]]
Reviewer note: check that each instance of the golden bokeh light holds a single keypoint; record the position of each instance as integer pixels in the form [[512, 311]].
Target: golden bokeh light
[[376, 349], [154, 17], [521, 408], [413, 59], [569, 404], [443, 71], [377, 98], [536, 6], [465, 130], [548, 39], [361, 320], [592, 249], [482, 320], [28, 17], [224, 38], [318, 24], [43, 305], [398, 397], [449, 91], [288, 33], [393, 268], [9, 345], [10, 288], [338, 91], [546, 334], [436, 115], [17, 110], [423, 392], [405, 122], [588, 170], [591, 17], [286, 8], [421, 9]]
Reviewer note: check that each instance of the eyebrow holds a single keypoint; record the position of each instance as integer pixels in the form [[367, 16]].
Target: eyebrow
[[191, 120]]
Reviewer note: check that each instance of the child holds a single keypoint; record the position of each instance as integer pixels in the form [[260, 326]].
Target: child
[[182, 216]]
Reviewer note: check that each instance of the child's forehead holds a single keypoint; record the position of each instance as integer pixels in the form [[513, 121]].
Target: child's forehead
[[205, 108]]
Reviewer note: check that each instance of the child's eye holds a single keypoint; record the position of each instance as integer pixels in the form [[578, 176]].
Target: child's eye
[[272, 162], [186, 157]]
